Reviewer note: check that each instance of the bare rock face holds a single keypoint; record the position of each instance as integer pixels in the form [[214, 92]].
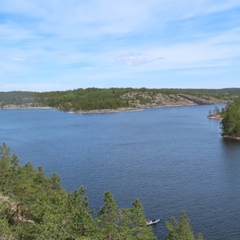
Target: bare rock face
[[11, 106], [149, 100]]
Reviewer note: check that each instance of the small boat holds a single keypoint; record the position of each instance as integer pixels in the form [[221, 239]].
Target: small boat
[[152, 222]]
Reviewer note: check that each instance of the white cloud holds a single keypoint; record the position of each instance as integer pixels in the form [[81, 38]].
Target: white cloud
[[17, 59], [99, 40], [134, 59]]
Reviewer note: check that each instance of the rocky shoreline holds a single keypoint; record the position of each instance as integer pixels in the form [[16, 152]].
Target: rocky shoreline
[[214, 117], [14, 107], [228, 137], [126, 109], [109, 110]]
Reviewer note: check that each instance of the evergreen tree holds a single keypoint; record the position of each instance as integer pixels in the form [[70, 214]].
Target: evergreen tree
[[78, 217], [230, 123], [108, 217], [180, 230], [138, 221]]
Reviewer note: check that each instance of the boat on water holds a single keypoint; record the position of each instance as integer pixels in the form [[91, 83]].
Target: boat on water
[[152, 222]]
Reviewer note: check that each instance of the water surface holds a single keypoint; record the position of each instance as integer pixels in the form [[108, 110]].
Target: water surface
[[169, 158]]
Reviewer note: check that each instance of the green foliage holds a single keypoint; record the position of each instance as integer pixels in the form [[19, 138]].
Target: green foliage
[[78, 216], [112, 98], [33, 206], [5, 231], [108, 217], [180, 230], [216, 110], [230, 123], [123, 224], [19, 98], [138, 222], [85, 100], [215, 114]]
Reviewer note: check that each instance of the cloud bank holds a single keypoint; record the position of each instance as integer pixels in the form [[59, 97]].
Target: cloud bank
[[52, 45]]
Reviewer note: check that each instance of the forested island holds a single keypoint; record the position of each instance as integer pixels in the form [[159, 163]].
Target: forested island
[[115, 99], [230, 119], [34, 206]]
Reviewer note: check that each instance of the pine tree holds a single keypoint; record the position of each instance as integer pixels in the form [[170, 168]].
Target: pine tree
[[230, 123], [108, 217], [139, 226], [180, 230], [78, 219]]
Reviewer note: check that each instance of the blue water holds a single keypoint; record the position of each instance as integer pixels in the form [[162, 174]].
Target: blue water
[[169, 158]]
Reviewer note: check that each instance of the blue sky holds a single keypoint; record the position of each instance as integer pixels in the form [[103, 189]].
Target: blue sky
[[50, 45]]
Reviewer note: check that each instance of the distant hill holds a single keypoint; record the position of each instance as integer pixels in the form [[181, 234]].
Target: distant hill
[[85, 100], [19, 99]]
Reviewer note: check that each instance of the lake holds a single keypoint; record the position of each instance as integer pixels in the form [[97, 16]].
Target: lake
[[170, 158]]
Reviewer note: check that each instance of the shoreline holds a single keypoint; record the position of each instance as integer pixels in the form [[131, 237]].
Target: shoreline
[[214, 117], [103, 111], [23, 108], [228, 137]]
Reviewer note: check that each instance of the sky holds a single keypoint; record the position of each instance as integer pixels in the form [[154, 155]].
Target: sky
[[48, 45]]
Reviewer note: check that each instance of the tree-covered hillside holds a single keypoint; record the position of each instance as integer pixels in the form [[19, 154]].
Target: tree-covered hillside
[[115, 98], [85, 99], [28, 99]]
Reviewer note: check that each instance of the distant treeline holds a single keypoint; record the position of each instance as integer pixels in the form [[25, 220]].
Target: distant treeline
[[85, 99], [111, 98], [19, 98]]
